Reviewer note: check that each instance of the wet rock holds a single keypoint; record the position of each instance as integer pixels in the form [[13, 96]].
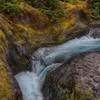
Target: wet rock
[[97, 79], [95, 29]]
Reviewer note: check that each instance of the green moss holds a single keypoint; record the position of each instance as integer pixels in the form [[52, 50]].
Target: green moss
[[50, 4], [54, 15], [95, 9], [10, 7], [51, 8], [79, 94], [76, 94]]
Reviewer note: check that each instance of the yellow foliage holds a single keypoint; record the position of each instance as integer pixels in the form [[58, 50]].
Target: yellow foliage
[[2, 35], [80, 5], [6, 90]]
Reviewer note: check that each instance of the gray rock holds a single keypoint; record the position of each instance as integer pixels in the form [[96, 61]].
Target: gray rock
[[81, 72]]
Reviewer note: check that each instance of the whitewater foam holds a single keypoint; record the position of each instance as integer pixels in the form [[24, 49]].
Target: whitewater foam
[[46, 60]]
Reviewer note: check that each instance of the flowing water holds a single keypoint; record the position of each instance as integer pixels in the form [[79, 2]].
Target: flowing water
[[46, 60]]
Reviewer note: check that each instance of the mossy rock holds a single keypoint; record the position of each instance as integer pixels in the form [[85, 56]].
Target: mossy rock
[[25, 33]]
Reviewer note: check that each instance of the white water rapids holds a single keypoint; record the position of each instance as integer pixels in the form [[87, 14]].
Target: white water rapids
[[46, 60]]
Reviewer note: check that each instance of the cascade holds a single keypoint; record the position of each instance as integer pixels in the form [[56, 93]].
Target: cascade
[[46, 60]]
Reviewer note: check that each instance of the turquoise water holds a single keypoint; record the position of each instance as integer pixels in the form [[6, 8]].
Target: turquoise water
[[46, 60]]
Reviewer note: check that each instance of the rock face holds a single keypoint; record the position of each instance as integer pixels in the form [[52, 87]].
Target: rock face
[[81, 74]]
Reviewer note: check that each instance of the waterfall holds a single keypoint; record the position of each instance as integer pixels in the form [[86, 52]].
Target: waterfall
[[65, 51], [29, 85], [46, 60]]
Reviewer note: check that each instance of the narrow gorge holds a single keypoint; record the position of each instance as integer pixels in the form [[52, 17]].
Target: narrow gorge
[[49, 50]]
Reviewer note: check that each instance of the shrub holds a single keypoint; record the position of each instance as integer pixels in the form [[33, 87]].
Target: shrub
[[36, 3], [54, 15], [95, 8], [10, 7], [50, 7], [71, 1], [50, 4]]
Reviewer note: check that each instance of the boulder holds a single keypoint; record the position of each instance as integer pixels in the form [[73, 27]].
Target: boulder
[[79, 78]]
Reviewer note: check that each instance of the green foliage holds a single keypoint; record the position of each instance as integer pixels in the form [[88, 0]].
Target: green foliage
[[71, 1], [34, 2], [54, 15], [50, 7], [95, 8], [50, 4], [10, 7]]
